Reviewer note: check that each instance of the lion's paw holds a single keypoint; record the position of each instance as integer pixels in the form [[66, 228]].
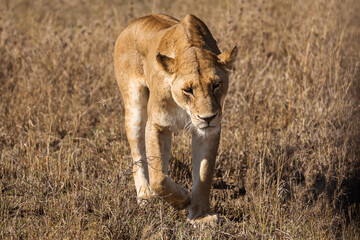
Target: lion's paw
[[145, 197], [211, 219]]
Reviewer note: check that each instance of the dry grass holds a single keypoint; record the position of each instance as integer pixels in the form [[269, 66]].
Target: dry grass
[[289, 161]]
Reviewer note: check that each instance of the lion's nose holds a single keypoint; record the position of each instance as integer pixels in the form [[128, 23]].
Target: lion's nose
[[208, 118]]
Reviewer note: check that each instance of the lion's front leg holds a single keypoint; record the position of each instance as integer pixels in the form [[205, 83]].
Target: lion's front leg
[[158, 144], [204, 150]]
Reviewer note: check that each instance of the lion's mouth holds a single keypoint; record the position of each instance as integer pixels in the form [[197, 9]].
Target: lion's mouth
[[208, 130], [206, 126]]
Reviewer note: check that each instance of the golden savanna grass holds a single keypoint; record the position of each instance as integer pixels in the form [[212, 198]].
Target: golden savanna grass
[[289, 161]]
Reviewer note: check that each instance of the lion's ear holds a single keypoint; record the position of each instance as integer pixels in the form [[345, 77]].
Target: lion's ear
[[166, 63], [227, 58]]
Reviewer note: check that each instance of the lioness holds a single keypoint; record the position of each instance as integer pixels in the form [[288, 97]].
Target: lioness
[[172, 76]]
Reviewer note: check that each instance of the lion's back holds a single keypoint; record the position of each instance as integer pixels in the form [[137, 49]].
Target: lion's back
[[136, 40], [142, 31]]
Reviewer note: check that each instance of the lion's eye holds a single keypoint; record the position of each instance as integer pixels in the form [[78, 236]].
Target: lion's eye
[[216, 86], [188, 91]]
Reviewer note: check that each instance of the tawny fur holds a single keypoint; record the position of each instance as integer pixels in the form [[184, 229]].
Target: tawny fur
[[172, 76]]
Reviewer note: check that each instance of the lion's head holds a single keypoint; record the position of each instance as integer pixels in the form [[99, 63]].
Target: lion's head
[[199, 83]]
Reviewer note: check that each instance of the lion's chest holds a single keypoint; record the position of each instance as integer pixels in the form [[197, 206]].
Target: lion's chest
[[174, 118], [180, 120]]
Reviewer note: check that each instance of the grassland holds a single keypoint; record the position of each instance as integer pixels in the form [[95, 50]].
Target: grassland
[[289, 161]]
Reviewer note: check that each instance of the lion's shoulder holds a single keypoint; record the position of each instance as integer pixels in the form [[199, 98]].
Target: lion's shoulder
[[198, 34]]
